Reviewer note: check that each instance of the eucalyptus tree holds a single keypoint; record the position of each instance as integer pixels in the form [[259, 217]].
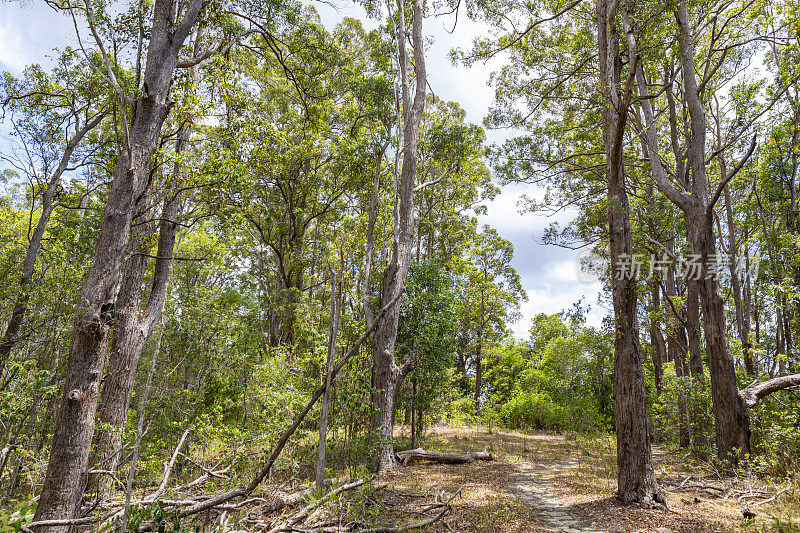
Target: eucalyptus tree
[[454, 184], [490, 291], [636, 480], [388, 375], [719, 58], [781, 155], [51, 116], [295, 145], [577, 145], [141, 95]]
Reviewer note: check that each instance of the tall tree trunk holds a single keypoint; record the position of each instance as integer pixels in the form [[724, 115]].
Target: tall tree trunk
[[636, 481], [323, 417], [731, 420], [731, 417], [693, 330], [742, 316], [74, 428], [127, 344], [695, 362], [388, 375], [373, 205], [742, 319], [478, 372], [479, 354], [658, 348], [133, 323], [413, 413]]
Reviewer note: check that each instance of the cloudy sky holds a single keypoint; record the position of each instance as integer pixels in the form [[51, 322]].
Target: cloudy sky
[[29, 31]]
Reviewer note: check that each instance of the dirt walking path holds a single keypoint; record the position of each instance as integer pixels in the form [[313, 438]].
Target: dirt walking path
[[533, 486]]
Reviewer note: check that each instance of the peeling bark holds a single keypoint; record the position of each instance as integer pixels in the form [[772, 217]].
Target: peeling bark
[[388, 375]]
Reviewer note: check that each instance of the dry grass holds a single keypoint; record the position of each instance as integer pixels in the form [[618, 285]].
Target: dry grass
[[585, 489]]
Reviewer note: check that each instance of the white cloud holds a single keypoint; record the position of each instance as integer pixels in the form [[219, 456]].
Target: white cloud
[[28, 34]]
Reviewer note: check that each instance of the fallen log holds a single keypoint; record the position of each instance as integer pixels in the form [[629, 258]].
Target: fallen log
[[407, 456]]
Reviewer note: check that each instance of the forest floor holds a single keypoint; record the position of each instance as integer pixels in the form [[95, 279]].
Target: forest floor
[[545, 482]]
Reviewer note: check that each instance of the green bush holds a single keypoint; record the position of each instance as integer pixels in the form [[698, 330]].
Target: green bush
[[683, 402], [533, 410], [776, 434], [462, 411]]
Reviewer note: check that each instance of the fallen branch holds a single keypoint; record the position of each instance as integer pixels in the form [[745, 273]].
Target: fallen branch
[[64, 522], [762, 502], [417, 525], [441, 514], [287, 501], [755, 391], [303, 513], [317, 395], [203, 477], [168, 466], [407, 456]]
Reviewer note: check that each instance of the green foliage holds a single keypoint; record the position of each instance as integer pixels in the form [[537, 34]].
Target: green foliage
[[533, 410], [683, 402], [559, 380], [163, 521], [17, 514], [776, 435]]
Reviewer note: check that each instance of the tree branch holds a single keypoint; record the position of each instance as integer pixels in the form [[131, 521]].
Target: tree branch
[[730, 176], [756, 391]]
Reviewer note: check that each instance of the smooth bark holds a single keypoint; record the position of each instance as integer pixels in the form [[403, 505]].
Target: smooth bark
[[323, 417]]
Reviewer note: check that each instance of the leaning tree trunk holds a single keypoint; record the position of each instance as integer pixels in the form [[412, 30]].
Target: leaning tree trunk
[[388, 375], [69, 456], [126, 347], [636, 481], [20, 306], [133, 324]]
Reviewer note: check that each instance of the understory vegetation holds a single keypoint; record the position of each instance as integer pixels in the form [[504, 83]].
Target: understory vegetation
[[244, 259]]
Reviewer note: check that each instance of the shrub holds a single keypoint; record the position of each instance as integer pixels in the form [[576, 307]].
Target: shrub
[[533, 410]]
